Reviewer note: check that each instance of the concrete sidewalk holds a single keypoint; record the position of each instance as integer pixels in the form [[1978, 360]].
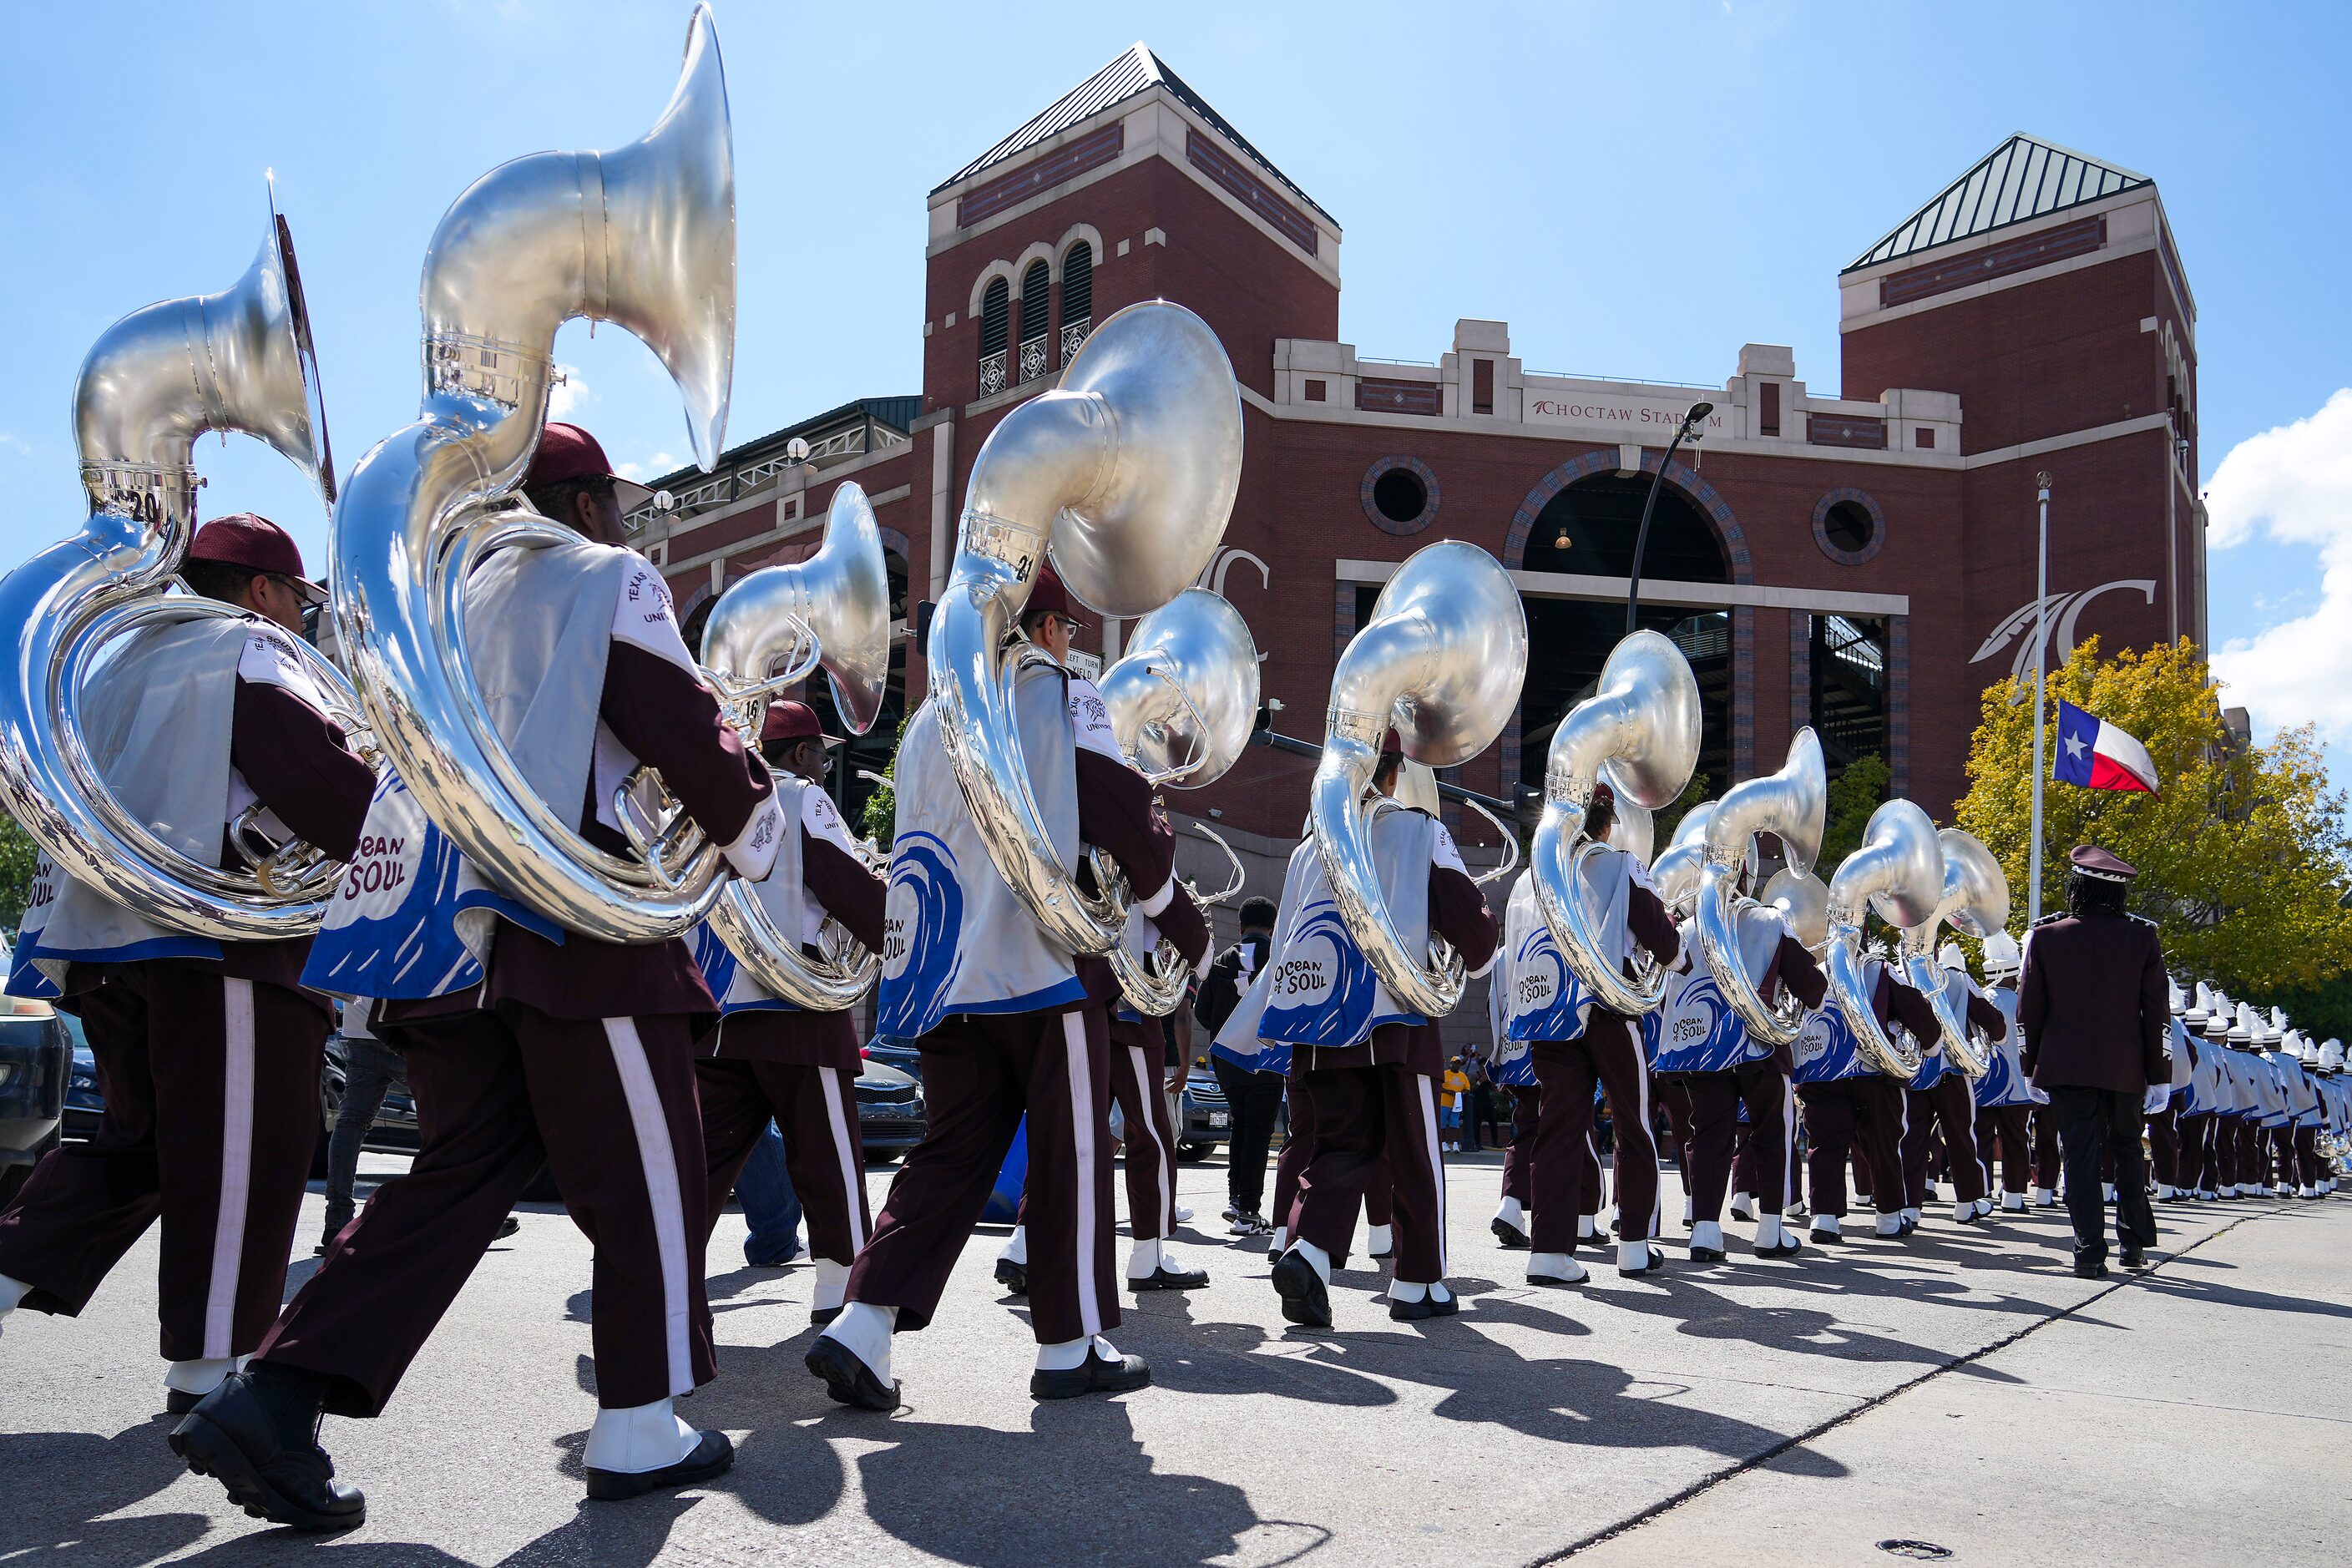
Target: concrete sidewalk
[[2198, 1414], [1536, 1423]]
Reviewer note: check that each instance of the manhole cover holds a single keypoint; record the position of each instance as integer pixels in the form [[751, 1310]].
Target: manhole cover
[[1925, 1550]]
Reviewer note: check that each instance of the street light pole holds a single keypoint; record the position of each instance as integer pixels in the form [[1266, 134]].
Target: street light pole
[[1688, 429], [2041, 653]]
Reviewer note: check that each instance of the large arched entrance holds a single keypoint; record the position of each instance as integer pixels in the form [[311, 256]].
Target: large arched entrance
[[1588, 529]]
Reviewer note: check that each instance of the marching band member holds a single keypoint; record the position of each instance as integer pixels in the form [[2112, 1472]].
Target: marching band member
[[1853, 1110], [2161, 1112], [207, 1051], [769, 1059], [2003, 1095], [2093, 1008], [568, 1051], [2195, 1104], [1753, 1075], [1006, 1023], [1947, 1101], [1137, 1049], [1576, 1044], [1252, 1097], [1368, 1067]]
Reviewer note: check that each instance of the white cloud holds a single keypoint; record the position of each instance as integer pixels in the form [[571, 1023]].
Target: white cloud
[[2292, 485], [659, 463], [568, 397]]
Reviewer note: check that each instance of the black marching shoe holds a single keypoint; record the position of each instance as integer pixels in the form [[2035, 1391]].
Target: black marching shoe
[[258, 1436], [1787, 1246], [506, 1227], [2131, 1257], [820, 1316], [1429, 1306], [1305, 1297], [1014, 1276], [178, 1401], [1656, 1260], [1513, 1238], [714, 1455], [848, 1379], [1706, 1254], [1166, 1278], [2090, 1268], [1124, 1375]]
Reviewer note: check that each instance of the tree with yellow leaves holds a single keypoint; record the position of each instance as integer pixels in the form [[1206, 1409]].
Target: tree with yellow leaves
[[2243, 858]]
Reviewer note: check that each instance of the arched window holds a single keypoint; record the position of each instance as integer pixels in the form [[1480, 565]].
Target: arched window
[[1077, 298], [1037, 288], [995, 326]]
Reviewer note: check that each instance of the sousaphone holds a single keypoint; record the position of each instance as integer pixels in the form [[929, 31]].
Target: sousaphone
[[1974, 898]]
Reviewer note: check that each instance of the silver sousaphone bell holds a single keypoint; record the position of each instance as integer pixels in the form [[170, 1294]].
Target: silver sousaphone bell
[[239, 359], [1442, 659], [767, 634], [1182, 701], [1975, 898], [1898, 871]]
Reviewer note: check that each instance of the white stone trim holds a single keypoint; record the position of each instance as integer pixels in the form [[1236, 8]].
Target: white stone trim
[[1701, 595], [2121, 428]]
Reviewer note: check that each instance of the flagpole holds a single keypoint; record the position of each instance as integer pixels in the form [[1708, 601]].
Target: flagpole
[[2041, 651]]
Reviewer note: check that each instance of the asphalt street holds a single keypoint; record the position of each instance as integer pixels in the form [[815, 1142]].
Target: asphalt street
[[1962, 1389]]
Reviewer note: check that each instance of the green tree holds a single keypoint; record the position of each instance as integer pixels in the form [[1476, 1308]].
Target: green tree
[[1670, 816], [2243, 856], [18, 854], [881, 817], [1853, 796]]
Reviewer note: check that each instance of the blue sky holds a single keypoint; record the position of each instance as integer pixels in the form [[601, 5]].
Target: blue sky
[[1638, 188]]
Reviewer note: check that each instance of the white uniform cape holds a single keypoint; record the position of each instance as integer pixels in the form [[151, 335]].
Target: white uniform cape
[[957, 938], [1323, 991], [2201, 1096], [156, 719], [1695, 1028], [414, 918], [1544, 1000], [1238, 1040], [782, 893], [1827, 1049], [2004, 1081]]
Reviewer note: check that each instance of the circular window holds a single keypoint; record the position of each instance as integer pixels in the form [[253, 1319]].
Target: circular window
[[1848, 526], [1399, 495]]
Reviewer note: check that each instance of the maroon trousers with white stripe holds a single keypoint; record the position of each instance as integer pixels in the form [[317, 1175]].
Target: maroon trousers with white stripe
[[981, 1072], [609, 1106], [1136, 1075], [1298, 1153], [1374, 1125], [1714, 1100], [1952, 1104], [815, 1108], [2002, 1138], [212, 1114], [1608, 1053]]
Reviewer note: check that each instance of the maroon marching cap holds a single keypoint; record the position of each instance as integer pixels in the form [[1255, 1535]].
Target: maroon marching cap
[[789, 721], [1047, 594], [1603, 793], [1391, 744], [568, 452], [257, 544], [2090, 860]]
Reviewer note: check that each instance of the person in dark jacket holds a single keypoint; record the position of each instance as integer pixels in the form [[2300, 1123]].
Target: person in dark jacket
[[1254, 1098], [2092, 1009]]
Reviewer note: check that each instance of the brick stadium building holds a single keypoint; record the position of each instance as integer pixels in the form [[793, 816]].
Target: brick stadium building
[[1863, 562]]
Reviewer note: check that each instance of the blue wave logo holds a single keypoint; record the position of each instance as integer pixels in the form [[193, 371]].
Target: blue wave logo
[[1532, 1017], [1826, 1050], [920, 952], [1698, 1033], [713, 958], [1339, 1016]]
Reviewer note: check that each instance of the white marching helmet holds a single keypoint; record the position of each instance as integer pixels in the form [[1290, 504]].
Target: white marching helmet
[[2247, 1029], [2331, 1056], [2277, 1029], [2200, 1007], [2000, 954], [2177, 997], [1949, 956]]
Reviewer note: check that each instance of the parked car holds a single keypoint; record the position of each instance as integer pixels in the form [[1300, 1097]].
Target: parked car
[[84, 1104], [36, 1059], [1203, 1120], [890, 1114]]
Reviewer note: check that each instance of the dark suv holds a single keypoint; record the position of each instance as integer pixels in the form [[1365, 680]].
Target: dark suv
[[36, 1059]]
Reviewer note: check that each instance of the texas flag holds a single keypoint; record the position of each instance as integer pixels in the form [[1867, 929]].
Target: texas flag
[[2095, 755]]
